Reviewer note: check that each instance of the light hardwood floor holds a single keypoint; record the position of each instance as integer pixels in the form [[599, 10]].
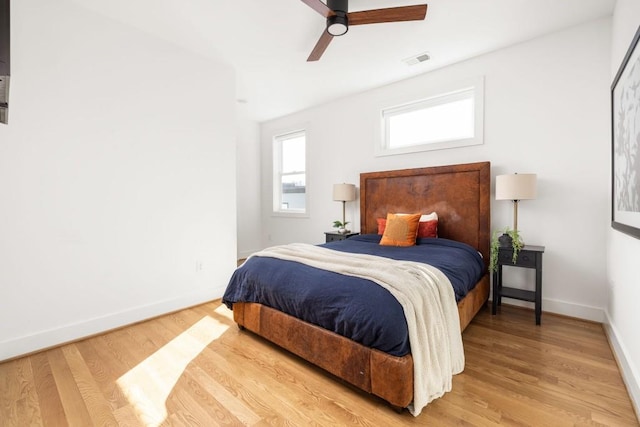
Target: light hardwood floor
[[195, 367]]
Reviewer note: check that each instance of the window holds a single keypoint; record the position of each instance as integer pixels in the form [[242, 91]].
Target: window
[[289, 166], [444, 120]]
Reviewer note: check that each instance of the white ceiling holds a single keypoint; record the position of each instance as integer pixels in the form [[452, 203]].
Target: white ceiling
[[268, 41]]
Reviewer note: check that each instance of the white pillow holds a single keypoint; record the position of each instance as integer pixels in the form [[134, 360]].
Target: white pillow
[[429, 217], [424, 218]]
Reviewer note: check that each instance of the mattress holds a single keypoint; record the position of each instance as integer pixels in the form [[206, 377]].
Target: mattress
[[355, 308]]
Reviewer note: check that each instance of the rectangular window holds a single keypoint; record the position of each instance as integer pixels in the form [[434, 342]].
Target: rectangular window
[[444, 120], [289, 173]]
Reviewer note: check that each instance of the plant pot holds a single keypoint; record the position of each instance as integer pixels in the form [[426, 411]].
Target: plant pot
[[505, 241]]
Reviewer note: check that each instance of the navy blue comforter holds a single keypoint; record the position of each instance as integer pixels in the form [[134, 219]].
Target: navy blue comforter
[[352, 307]]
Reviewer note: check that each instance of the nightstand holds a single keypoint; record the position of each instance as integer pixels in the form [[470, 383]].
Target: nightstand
[[333, 236], [528, 257]]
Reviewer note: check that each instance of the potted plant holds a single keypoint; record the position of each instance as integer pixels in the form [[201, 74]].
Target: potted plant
[[341, 226], [508, 238]]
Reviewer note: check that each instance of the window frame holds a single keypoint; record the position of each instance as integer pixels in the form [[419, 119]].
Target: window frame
[[438, 96], [277, 158]]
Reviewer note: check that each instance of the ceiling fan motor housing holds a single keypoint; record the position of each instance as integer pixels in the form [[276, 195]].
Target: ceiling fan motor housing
[[338, 24]]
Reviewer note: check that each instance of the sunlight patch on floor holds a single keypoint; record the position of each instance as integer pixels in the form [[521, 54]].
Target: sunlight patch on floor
[[224, 311], [148, 385]]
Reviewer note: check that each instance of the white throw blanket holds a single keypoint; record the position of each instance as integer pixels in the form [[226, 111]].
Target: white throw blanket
[[429, 305]]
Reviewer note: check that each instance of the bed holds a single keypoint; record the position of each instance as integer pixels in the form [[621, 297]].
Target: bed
[[460, 196]]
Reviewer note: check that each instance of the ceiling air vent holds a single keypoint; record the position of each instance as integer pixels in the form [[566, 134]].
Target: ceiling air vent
[[421, 57], [4, 60]]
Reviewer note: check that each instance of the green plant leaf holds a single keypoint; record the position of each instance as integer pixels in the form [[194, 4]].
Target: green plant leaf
[[516, 244]]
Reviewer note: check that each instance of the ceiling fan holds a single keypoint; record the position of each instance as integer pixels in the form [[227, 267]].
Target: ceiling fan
[[339, 18]]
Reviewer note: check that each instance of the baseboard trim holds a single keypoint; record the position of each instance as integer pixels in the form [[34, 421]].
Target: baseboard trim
[[43, 340], [564, 308], [630, 377], [594, 314]]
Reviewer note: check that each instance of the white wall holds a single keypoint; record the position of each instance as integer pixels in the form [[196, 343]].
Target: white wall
[[546, 112], [624, 251], [117, 178], [248, 183]]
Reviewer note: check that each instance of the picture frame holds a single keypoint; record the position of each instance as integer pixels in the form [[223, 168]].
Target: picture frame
[[625, 143]]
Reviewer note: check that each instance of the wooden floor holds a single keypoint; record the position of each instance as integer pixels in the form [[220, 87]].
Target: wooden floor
[[195, 367]]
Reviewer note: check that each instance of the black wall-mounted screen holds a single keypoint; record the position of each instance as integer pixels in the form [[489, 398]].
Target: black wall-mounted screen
[[5, 69], [4, 38]]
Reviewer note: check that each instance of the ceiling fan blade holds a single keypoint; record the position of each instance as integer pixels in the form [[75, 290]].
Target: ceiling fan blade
[[320, 47], [319, 7], [391, 14]]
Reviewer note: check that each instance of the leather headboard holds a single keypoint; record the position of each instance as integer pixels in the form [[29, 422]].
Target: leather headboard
[[460, 194]]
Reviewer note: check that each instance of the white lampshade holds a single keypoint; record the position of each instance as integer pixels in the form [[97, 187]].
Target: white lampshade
[[344, 192], [520, 186]]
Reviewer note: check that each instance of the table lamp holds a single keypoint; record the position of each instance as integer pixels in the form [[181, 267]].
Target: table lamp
[[516, 187], [344, 193]]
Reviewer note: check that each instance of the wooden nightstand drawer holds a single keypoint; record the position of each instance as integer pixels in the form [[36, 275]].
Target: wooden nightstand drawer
[[525, 258], [334, 237]]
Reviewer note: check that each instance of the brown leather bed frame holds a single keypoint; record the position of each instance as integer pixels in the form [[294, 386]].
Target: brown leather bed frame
[[460, 196]]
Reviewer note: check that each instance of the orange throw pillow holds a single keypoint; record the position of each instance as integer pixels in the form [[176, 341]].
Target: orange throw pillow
[[425, 228], [401, 230]]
